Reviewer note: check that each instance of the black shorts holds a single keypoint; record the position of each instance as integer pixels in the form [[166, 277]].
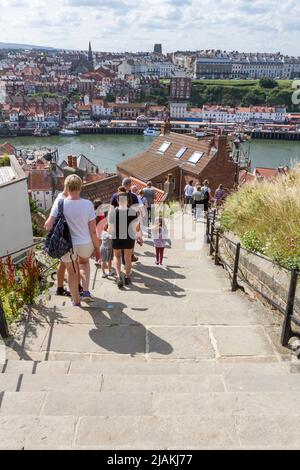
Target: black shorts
[[123, 244]]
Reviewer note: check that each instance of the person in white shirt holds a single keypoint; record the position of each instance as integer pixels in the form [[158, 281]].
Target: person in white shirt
[[81, 219], [188, 193], [61, 270]]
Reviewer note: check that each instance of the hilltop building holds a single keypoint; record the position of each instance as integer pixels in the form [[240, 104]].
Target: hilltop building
[[157, 49], [90, 58]]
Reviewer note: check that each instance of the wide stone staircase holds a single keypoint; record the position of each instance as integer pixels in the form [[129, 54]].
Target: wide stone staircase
[[175, 361]]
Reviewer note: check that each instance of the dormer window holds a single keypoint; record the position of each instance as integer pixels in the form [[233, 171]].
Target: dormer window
[[181, 152], [164, 147], [195, 157]]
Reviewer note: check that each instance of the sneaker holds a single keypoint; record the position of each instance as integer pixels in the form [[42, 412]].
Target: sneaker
[[87, 297], [78, 304], [120, 283], [104, 275], [63, 292], [111, 273], [127, 281], [157, 263]]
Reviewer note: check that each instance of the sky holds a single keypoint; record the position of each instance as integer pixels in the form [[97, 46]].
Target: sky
[[135, 25]]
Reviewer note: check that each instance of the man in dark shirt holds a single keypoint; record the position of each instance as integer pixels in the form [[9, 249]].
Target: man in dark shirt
[[127, 183]]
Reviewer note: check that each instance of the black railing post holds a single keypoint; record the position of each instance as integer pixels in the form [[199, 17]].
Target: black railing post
[[207, 227], [217, 247], [4, 332], [236, 268], [214, 216], [286, 328], [212, 231]]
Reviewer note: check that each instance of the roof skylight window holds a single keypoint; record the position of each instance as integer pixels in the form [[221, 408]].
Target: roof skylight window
[[195, 157], [181, 152], [164, 147]]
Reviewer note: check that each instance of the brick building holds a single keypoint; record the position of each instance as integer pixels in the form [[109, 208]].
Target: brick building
[[185, 158], [180, 87]]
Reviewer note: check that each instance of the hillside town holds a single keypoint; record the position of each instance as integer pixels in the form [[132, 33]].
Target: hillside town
[[149, 230], [50, 89]]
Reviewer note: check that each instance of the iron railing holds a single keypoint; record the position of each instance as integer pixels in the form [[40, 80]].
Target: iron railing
[[213, 237]]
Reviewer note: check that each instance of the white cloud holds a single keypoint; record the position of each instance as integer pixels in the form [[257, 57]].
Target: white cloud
[[269, 25]]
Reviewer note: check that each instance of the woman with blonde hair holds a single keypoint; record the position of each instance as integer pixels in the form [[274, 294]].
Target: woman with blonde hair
[[81, 219]]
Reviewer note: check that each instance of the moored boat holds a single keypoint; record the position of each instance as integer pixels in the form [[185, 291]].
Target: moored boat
[[68, 132], [151, 132]]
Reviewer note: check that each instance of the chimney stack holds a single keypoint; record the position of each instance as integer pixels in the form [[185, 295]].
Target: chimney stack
[[72, 161], [166, 127], [221, 141]]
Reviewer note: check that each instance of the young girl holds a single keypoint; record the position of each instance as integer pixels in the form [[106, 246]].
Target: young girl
[[106, 251], [160, 239]]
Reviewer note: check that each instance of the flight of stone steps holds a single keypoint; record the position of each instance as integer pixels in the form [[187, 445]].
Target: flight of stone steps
[[176, 361], [135, 404]]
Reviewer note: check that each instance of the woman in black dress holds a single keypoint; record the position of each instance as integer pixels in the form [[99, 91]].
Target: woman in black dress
[[206, 190], [124, 228]]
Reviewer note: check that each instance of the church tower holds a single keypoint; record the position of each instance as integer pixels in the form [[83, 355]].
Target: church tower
[[90, 58]]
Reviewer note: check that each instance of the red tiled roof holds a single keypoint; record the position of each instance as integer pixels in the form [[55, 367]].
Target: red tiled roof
[[267, 173], [7, 148], [93, 177], [159, 194], [40, 180], [102, 189]]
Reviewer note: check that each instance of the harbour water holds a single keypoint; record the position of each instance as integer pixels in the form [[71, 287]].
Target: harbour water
[[107, 150]]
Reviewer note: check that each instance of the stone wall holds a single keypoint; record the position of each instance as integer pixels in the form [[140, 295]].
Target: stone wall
[[266, 277]]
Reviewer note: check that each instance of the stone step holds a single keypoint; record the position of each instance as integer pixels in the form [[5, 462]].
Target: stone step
[[150, 404], [149, 432], [231, 382], [132, 366], [53, 382], [203, 432], [113, 383]]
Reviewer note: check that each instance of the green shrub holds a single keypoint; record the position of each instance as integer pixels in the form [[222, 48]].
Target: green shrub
[[5, 161], [266, 217]]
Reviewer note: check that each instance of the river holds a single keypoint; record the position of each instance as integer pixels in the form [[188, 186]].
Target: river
[[107, 150]]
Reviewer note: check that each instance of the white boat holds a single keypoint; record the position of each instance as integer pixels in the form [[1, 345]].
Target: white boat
[[68, 132], [151, 132]]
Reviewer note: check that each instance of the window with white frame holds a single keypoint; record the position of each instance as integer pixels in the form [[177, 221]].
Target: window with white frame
[[181, 152], [195, 157], [164, 147]]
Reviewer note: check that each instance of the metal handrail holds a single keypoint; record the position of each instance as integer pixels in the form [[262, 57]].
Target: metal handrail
[[287, 331], [22, 249]]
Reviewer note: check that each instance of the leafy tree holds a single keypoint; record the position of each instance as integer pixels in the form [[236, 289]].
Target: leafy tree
[[268, 83], [253, 98]]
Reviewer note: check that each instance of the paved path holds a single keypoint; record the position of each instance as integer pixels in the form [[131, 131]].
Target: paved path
[[174, 361]]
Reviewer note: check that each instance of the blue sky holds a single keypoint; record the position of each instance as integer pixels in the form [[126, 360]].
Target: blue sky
[[118, 25]]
